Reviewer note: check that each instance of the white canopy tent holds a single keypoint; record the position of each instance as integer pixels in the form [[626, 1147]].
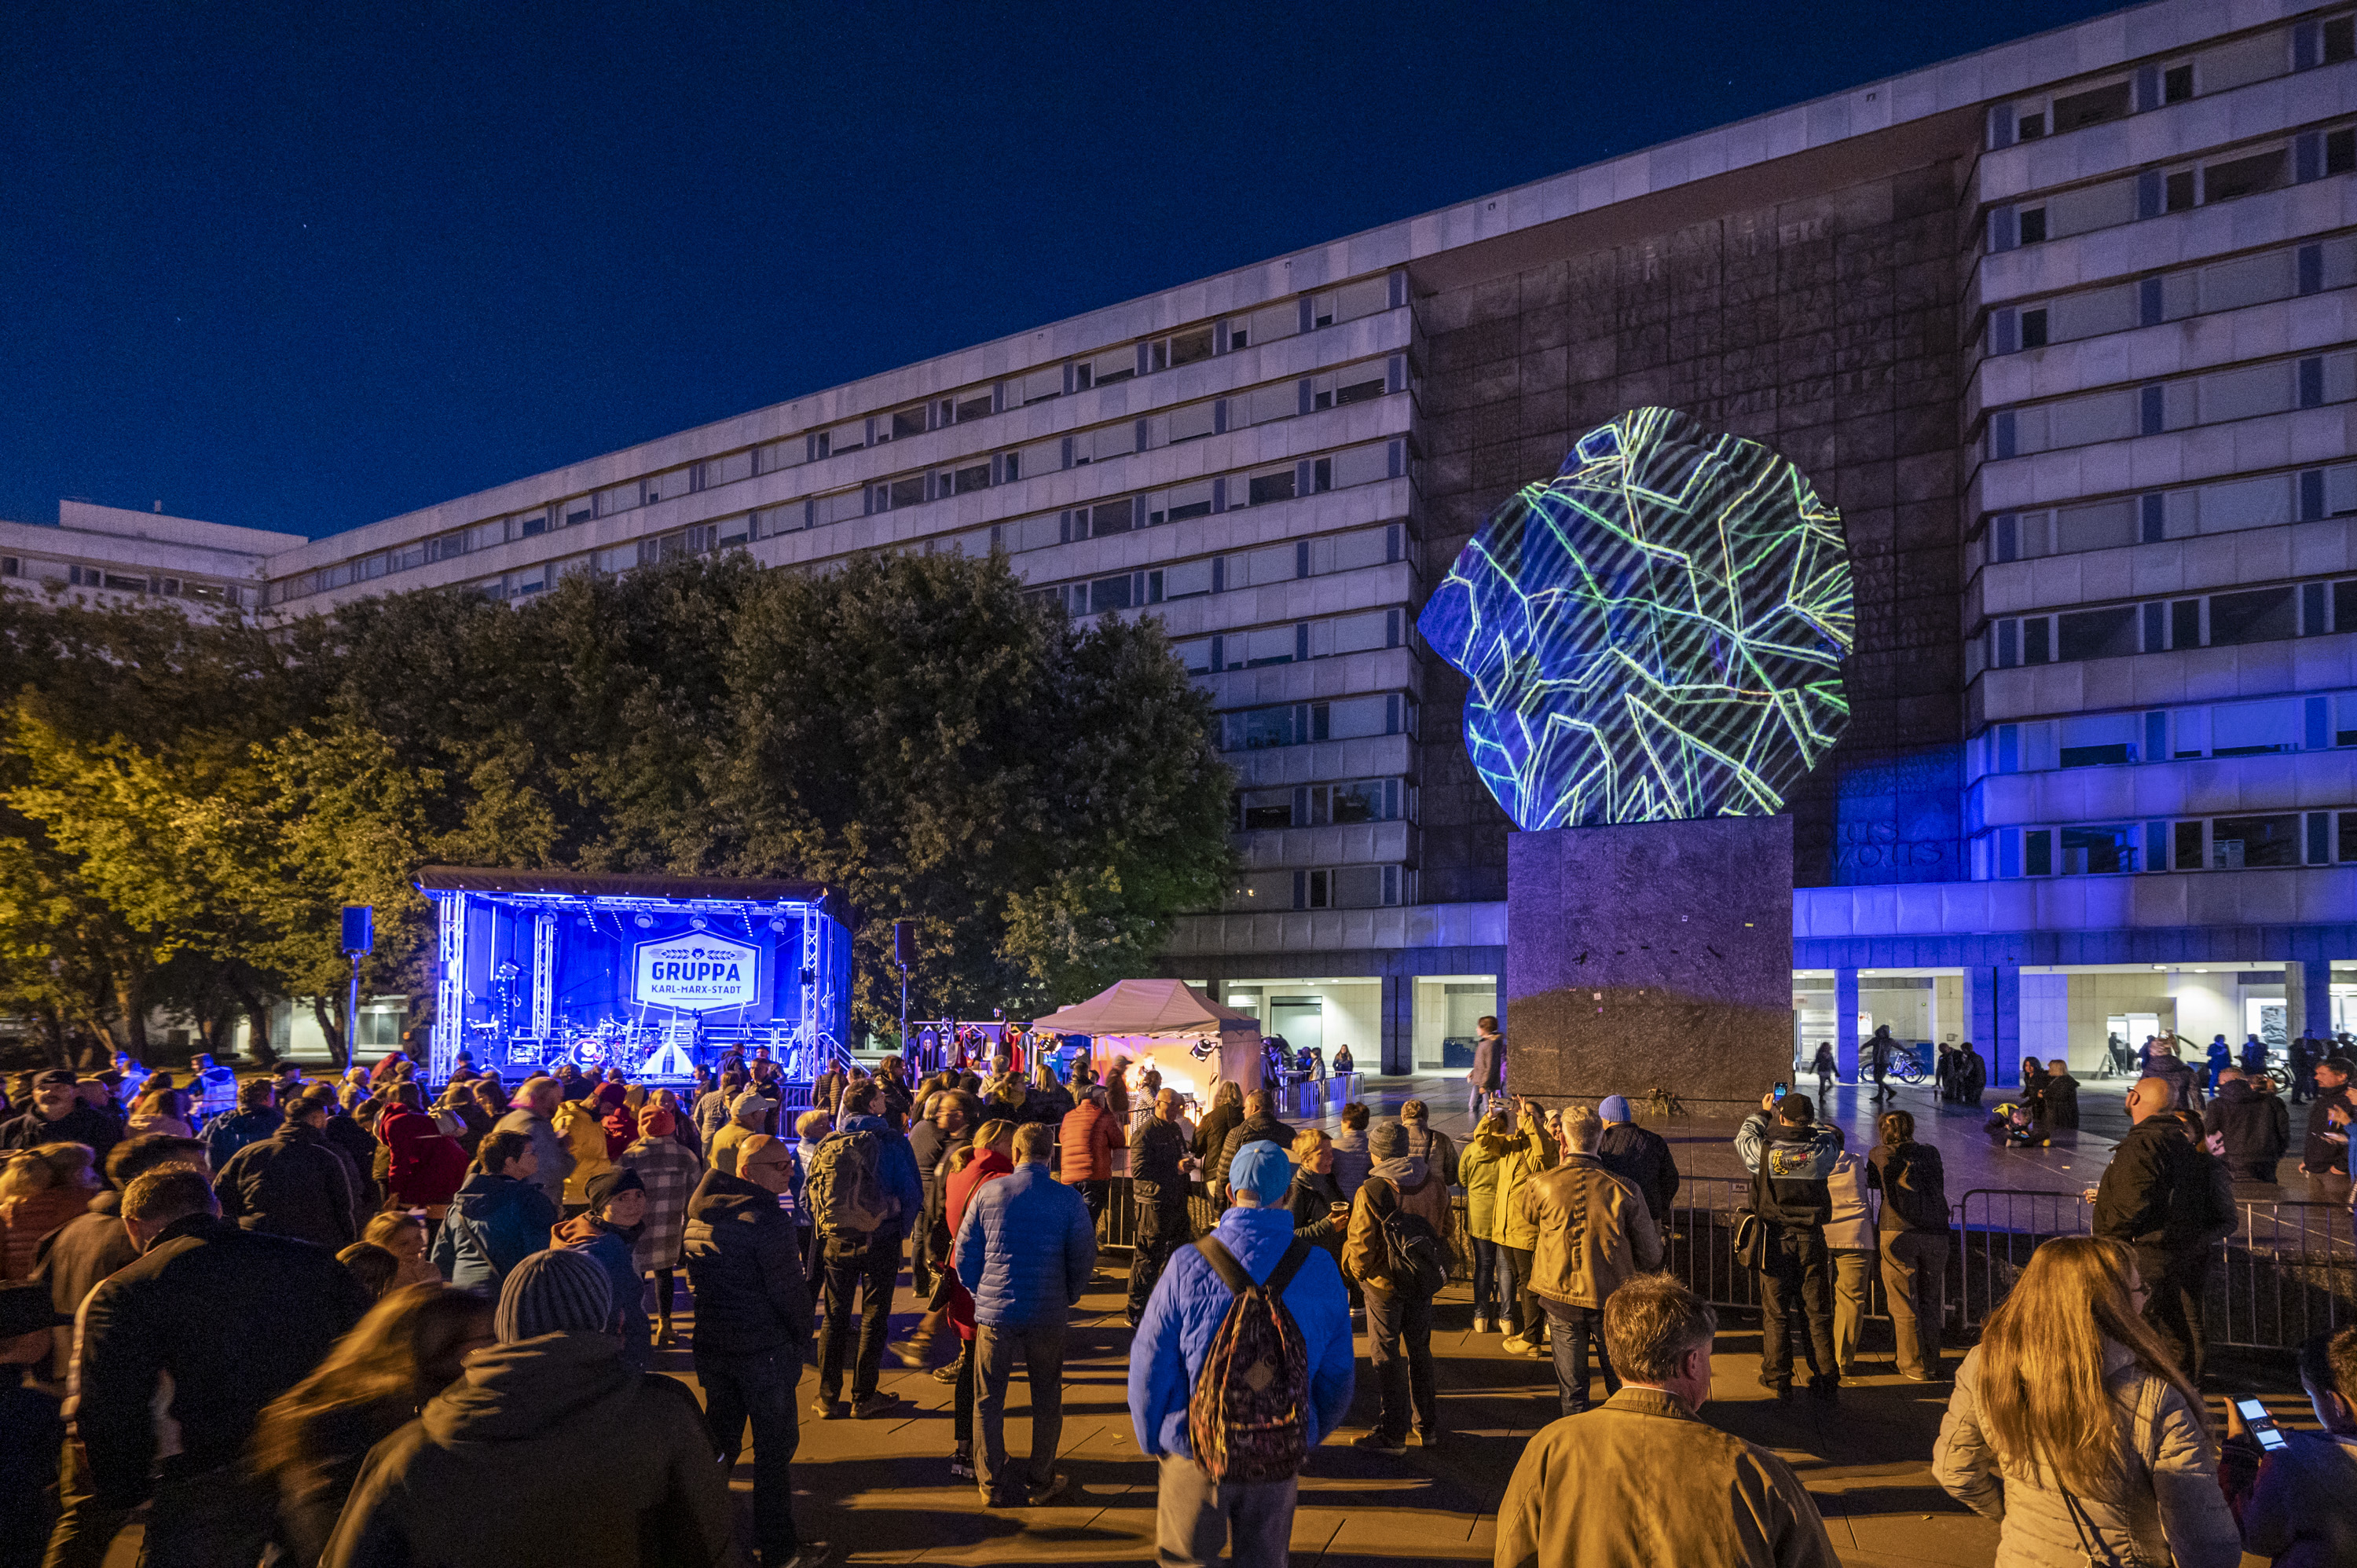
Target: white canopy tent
[[1194, 1042]]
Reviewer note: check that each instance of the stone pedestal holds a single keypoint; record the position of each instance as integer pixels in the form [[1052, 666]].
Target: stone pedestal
[[1653, 954]]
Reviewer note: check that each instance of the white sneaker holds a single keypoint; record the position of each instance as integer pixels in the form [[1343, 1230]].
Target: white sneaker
[[1515, 1344], [1485, 1326]]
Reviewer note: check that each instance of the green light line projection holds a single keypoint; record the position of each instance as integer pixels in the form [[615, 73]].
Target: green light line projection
[[1656, 633]]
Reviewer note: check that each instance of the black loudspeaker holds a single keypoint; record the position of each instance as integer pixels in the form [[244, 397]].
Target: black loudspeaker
[[904, 944]]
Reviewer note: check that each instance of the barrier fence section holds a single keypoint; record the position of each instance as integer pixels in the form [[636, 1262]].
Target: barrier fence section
[[2289, 1271]]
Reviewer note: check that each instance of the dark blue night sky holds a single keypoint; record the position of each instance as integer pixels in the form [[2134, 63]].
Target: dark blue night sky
[[301, 267]]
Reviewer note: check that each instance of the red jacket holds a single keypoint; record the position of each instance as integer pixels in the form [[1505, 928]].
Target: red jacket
[[621, 1126], [1086, 1141], [427, 1164], [981, 1168]]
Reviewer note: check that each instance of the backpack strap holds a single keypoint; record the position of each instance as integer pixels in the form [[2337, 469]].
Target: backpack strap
[[1233, 1274], [1297, 1253]]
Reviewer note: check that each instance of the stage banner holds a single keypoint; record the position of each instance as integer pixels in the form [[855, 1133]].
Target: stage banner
[[697, 972]]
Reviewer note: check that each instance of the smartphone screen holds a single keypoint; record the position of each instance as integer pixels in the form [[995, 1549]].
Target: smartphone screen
[[2260, 1425], [1782, 1090]]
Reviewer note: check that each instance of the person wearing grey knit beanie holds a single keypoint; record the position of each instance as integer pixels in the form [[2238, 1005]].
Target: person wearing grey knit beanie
[[553, 1292]]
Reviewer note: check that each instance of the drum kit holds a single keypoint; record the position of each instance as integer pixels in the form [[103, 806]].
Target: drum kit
[[640, 1050]]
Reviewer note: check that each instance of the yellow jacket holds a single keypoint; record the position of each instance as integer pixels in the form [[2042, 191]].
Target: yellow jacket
[[1530, 1151], [578, 1125]]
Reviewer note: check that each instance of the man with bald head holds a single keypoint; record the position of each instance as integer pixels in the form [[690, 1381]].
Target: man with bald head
[[2158, 1198], [1158, 1152]]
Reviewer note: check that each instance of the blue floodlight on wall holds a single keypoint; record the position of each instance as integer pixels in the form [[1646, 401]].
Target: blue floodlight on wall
[[1656, 633]]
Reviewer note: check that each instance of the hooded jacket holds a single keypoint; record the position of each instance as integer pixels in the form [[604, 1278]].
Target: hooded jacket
[[1191, 1301], [427, 1166], [495, 1223], [1788, 1168], [1478, 1168], [548, 1450], [1352, 1160], [1402, 1183], [958, 1192], [2255, 1126], [1251, 1129], [1642, 1157], [292, 1184], [576, 1121], [744, 1262], [234, 1132], [1025, 1249], [1531, 1150]]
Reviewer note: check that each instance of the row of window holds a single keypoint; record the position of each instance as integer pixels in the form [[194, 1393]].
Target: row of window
[[2269, 840], [1321, 805], [2230, 506], [1298, 558], [2215, 397], [2205, 620], [1304, 724], [2057, 112], [1339, 887], [2225, 176], [65, 574], [1306, 314], [1308, 476], [2180, 296], [1363, 632], [2258, 728]]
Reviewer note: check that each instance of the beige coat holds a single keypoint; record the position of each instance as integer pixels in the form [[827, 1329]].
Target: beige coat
[[1593, 1230], [1641, 1478]]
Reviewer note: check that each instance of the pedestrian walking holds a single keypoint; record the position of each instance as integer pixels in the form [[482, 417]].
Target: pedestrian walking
[[1402, 1203], [1641, 1478], [1241, 1498], [2073, 1426], [1487, 1078], [1971, 1074], [753, 1325], [1025, 1250], [1912, 1235], [548, 1449], [187, 1311], [2059, 1101], [1791, 1159], [1879, 1048], [1827, 1069], [2221, 1057], [1594, 1234]]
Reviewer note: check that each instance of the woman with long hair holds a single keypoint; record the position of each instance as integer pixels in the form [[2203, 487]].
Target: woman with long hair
[[311, 1440], [2072, 1426], [403, 1234], [1912, 1235], [40, 1190], [162, 1112]]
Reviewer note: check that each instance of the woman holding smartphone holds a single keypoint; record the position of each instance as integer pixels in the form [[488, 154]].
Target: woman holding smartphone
[[2072, 1426]]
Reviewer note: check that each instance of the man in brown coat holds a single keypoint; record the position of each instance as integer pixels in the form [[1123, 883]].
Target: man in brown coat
[[1595, 1234], [1641, 1478]]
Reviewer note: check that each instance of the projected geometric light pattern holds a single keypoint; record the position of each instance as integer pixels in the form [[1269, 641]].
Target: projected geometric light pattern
[[1656, 633]]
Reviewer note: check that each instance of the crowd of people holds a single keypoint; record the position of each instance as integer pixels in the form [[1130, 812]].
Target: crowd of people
[[356, 1323]]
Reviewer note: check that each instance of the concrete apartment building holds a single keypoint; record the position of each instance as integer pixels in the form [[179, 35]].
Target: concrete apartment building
[[2063, 329]]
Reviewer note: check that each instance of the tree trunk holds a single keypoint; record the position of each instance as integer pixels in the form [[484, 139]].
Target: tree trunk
[[332, 1033], [259, 1043]]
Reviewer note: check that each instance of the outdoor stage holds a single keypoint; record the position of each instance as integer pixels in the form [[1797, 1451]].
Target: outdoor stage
[[657, 975]]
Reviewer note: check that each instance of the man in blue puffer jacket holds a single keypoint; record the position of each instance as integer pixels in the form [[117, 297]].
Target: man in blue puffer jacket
[[1025, 1251], [1199, 1515]]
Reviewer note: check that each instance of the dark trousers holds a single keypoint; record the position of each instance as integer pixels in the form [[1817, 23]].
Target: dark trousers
[[757, 1391], [1399, 1338], [86, 1526], [870, 1271], [1041, 1346], [1096, 1194], [1162, 1229], [2174, 1307], [212, 1519], [962, 1415], [1515, 1297], [1575, 1328], [1485, 1278], [1796, 1282]]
